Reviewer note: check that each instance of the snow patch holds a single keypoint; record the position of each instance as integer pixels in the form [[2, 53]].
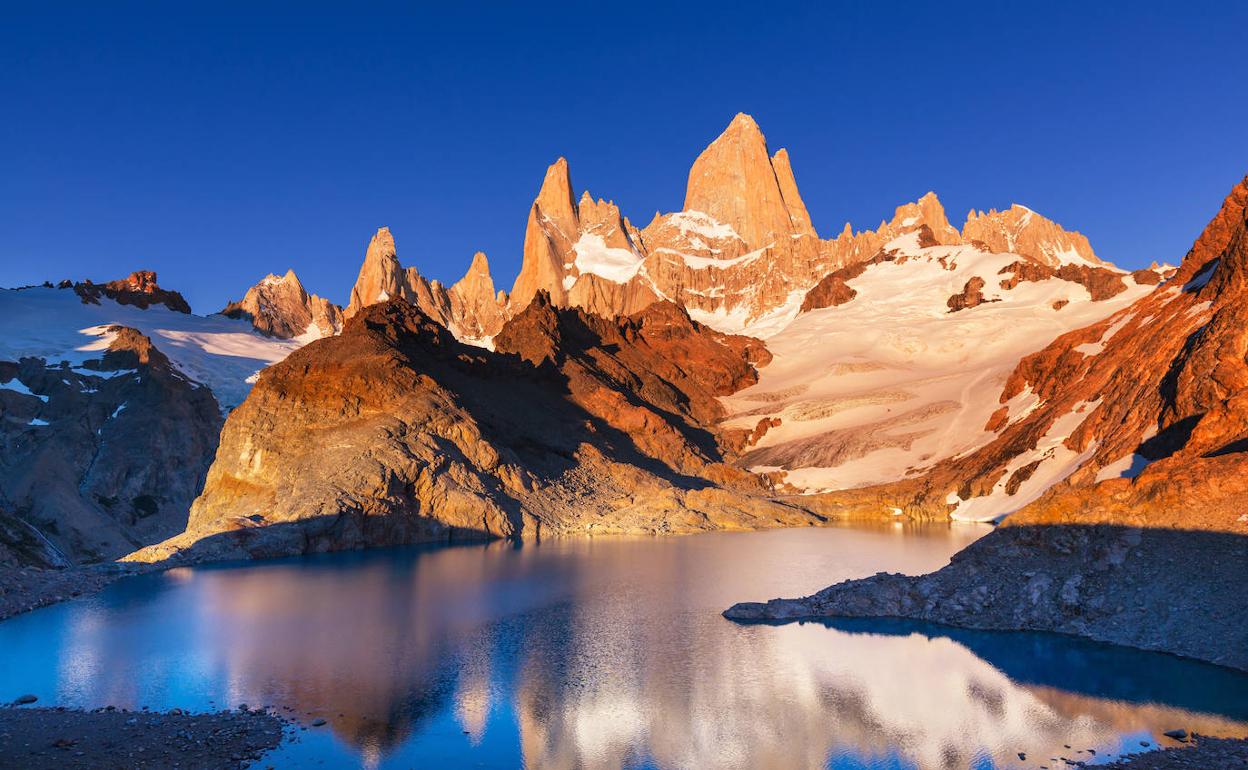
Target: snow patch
[[1095, 348], [615, 264], [1205, 276], [16, 386], [55, 325], [1127, 467], [702, 224], [1056, 462], [701, 263]]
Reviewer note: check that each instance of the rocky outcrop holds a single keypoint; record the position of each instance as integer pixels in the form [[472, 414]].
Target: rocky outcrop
[[972, 295], [139, 289], [100, 458], [279, 306], [1149, 588], [1019, 230], [1122, 460], [394, 432], [470, 308], [833, 289]]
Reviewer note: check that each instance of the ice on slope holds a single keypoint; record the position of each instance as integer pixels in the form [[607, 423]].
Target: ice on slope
[[1055, 461], [593, 255], [16, 386], [54, 324], [702, 224], [895, 353]]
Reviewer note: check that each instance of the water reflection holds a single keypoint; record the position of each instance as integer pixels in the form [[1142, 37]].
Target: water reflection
[[608, 653]]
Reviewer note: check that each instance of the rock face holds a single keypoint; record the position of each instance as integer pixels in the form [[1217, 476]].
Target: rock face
[[1020, 230], [394, 432], [139, 289], [1123, 449], [100, 458], [735, 182], [470, 308], [279, 306]]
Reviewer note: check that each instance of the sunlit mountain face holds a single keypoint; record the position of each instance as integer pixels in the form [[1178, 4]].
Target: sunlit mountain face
[[608, 653]]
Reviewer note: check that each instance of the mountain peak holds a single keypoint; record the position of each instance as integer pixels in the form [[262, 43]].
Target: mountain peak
[[380, 275], [735, 181], [743, 122], [1022, 231], [928, 211], [555, 199]]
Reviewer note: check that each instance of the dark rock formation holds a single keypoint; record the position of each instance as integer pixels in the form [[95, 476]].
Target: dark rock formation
[[139, 289], [98, 459]]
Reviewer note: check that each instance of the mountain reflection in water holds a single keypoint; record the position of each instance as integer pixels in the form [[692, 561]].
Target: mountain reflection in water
[[604, 653]]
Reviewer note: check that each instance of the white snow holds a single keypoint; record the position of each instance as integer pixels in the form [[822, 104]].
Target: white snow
[[117, 411], [1057, 461], [896, 353], [37, 422], [737, 319], [1127, 467], [54, 324], [104, 374], [16, 386], [702, 224], [1095, 348], [383, 296], [615, 264], [701, 263]]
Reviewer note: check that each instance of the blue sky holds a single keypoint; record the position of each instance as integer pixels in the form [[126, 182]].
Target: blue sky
[[217, 142]]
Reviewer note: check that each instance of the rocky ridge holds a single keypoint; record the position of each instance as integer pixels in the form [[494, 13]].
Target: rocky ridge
[[740, 256], [395, 432], [279, 306], [470, 308]]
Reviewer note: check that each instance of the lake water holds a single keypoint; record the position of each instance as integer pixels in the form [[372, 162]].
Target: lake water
[[606, 653]]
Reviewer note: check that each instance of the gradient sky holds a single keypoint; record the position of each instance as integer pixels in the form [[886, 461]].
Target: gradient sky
[[216, 145]]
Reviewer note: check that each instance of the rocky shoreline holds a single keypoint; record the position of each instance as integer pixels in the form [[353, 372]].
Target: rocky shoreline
[[1199, 754], [65, 739], [1161, 590], [23, 589]]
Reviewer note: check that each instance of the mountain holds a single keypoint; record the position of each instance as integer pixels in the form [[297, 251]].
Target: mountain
[[279, 306], [741, 256], [1120, 455], [470, 308], [111, 400], [395, 432], [1020, 230]]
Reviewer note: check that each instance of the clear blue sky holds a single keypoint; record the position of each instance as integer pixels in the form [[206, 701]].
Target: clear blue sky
[[215, 145]]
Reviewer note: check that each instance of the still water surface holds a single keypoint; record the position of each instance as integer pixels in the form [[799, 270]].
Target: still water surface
[[606, 653]]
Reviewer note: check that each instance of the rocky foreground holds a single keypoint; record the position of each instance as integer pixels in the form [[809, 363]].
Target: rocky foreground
[[64, 739], [1153, 589], [1200, 754]]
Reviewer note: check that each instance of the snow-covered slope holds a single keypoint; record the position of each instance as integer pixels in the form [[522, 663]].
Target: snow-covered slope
[[894, 380], [56, 325]]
